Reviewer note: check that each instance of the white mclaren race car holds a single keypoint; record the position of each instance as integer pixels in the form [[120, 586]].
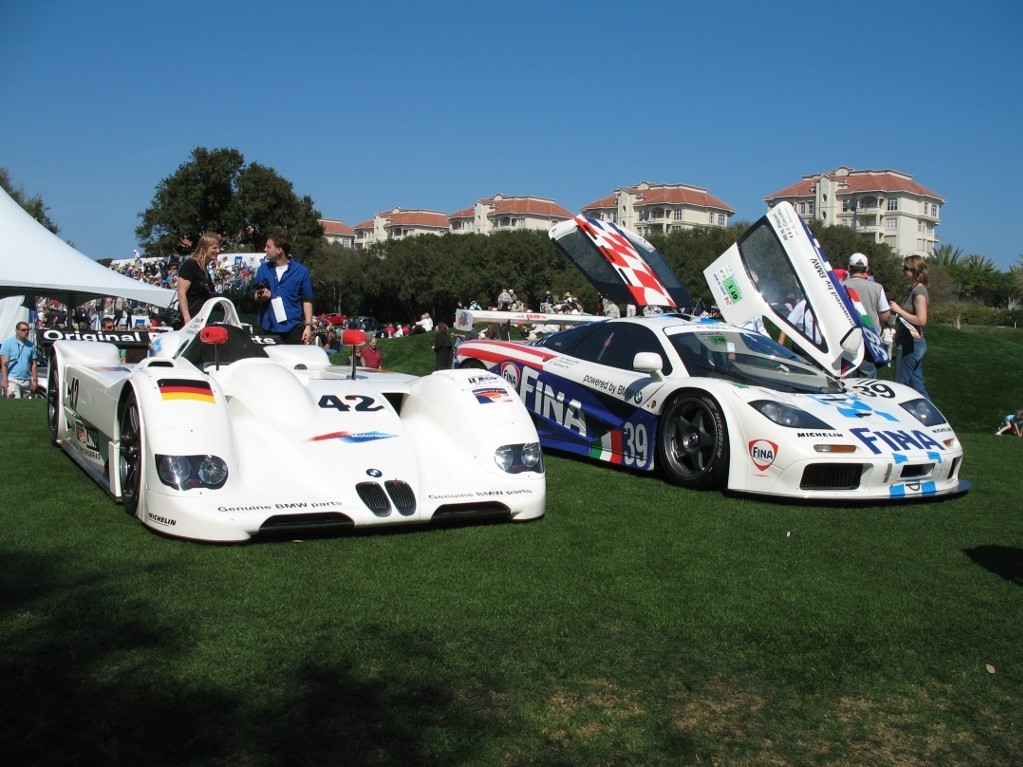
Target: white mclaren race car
[[220, 435], [716, 405]]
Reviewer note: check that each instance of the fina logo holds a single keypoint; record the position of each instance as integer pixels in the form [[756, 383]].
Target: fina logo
[[763, 453], [374, 473], [510, 373]]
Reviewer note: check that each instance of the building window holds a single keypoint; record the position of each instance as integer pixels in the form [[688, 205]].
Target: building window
[[891, 223], [677, 215], [721, 219], [893, 203]]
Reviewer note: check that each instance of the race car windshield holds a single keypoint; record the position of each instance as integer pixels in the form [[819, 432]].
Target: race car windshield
[[749, 358]]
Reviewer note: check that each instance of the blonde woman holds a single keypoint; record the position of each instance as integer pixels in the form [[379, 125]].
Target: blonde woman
[[195, 285], [911, 314]]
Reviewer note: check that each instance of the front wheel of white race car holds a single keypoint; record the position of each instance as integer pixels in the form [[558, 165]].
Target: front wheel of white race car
[[132, 462], [53, 406], [692, 442]]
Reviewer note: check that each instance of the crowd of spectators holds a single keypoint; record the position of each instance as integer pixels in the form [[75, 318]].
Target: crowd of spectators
[[231, 272]]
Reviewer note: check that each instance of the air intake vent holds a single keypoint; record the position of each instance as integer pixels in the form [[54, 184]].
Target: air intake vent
[[320, 523], [373, 495], [917, 470], [832, 476], [402, 496]]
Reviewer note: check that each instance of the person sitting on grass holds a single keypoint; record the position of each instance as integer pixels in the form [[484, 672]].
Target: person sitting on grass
[[1012, 422]]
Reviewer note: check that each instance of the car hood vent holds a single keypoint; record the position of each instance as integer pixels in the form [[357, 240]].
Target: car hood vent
[[373, 495], [380, 497], [402, 495]]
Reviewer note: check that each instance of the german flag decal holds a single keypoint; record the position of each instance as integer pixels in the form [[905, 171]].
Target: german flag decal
[[176, 388]]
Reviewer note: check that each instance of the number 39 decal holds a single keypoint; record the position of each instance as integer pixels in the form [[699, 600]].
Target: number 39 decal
[[875, 389], [636, 446]]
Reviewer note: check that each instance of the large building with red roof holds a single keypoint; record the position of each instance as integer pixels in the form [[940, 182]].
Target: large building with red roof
[[661, 208], [885, 206], [492, 214], [502, 213], [397, 224], [335, 231]]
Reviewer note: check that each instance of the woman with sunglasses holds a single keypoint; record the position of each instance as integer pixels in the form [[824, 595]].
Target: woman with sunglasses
[[910, 345], [19, 370]]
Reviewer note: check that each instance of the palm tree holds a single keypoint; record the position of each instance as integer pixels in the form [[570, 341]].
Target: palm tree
[[979, 263], [946, 255]]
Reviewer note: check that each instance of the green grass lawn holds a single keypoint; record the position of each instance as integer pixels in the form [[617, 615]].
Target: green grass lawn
[[636, 624]]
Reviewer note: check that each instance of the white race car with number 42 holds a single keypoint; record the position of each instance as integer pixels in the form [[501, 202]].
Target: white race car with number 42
[[220, 435]]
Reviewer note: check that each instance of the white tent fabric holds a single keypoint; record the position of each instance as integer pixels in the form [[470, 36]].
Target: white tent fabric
[[36, 262], [12, 311]]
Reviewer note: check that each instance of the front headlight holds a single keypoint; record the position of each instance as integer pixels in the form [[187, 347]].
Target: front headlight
[[531, 455], [515, 459], [923, 411], [184, 472], [786, 415]]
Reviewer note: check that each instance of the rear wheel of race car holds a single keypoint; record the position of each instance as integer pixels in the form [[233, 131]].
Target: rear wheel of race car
[[472, 365], [132, 461], [53, 408], [692, 442]]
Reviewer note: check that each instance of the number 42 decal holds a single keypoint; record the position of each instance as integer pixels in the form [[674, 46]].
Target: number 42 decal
[[362, 403]]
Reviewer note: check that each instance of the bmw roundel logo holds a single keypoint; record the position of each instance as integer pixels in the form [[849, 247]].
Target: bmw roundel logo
[[374, 472]]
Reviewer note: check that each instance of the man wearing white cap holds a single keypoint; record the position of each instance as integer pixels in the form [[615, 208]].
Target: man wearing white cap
[[874, 302]]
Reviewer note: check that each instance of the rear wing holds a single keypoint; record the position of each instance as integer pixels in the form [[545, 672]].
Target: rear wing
[[465, 319]]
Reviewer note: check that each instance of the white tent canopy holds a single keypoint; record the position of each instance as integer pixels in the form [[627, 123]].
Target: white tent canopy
[[36, 262]]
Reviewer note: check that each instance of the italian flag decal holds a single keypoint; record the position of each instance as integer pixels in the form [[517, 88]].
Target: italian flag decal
[[176, 388], [609, 448]]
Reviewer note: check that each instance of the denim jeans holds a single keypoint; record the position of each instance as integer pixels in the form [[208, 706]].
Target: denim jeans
[[909, 368], [867, 368]]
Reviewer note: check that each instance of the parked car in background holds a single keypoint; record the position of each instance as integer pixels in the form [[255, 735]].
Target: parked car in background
[[334, 319], [371, 325]]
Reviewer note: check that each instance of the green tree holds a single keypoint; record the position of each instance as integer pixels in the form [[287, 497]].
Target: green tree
[[216, 192], [840, 242], [266, 203], [690, 251], [947, 255], [342, 280], [33, 205]]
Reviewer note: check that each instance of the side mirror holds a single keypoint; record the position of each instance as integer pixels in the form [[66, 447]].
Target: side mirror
[[647, 362]]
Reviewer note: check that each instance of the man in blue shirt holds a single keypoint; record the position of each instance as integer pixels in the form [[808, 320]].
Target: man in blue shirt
[[284, 291], [20, 371]]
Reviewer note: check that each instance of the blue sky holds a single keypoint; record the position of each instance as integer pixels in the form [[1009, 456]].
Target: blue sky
[[365, 106]]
